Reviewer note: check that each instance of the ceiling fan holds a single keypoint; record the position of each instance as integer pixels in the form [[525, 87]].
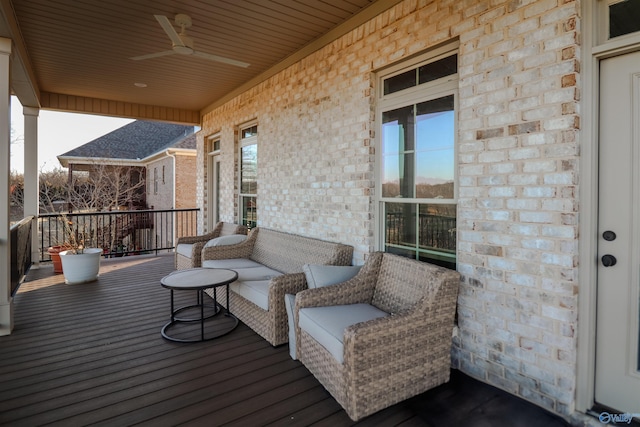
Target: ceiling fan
[[183, 44]]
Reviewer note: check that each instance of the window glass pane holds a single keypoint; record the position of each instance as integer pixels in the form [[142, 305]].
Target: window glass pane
[[216, 145], [249, 169], [435, 120], [431, 183], [397, 175], [216, 166], [435, 149], [438, 69], [249, 215], [400, 82], [624, 18], [397, 130], [400, 225], [398, 158], [249, 132], [437, 234]]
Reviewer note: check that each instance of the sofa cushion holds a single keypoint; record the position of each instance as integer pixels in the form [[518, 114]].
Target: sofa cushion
[[184, 249], [232, 239], [289, 304], [327, 324], [256, 291], [256, 273], [232, 264], [325, 275]]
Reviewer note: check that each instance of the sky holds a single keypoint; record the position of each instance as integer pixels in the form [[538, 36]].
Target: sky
[[58, 133]]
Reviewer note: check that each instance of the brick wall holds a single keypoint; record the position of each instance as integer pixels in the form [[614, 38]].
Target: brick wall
[[185, 181], [517, 211]]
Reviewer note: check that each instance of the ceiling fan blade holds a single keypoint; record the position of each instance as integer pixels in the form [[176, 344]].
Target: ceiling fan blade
[[168, 28], [220, 59], [153, 55]]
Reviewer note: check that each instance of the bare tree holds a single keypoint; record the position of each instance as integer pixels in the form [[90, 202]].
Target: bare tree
[[106, 187], [53, 190]]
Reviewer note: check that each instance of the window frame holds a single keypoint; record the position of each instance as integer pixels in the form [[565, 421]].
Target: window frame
[[213, 166], [413, 96], [242, 143]]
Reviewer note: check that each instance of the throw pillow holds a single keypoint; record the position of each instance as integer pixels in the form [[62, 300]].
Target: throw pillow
[[232, 239], [325, 275]]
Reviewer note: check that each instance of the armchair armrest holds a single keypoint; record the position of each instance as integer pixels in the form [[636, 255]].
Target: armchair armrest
[[189, 240], [352, 291], [404, 341], [291, 283]]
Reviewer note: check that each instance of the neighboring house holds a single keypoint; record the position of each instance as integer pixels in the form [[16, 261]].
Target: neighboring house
[[157, 153], [161, 155]]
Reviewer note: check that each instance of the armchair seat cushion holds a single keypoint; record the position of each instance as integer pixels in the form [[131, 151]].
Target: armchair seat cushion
[[289, 305], [327, 324]]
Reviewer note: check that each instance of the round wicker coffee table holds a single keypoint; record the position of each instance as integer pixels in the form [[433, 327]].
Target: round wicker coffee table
[[198, 279]]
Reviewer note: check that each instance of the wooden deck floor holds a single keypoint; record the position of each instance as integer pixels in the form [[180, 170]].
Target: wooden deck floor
[[92, 354]]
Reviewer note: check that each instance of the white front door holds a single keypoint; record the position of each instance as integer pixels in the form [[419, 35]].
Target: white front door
[[618, 313]]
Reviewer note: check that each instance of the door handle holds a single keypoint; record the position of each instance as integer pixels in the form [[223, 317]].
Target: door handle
[[609, 260]]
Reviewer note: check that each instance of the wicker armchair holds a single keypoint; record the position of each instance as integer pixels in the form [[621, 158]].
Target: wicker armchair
[[396, 316], [189, 249]]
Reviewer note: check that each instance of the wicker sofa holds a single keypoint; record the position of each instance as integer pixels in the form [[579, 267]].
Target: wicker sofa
[[382, 336], [269, 265], [189, 249]]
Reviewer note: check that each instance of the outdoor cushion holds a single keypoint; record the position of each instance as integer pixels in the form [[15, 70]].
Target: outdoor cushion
[[327, 324], [232, 263], [325, 275], [232, 239], [184, 249], [256, 291], [317, 275], [289, 303], [256, 273]]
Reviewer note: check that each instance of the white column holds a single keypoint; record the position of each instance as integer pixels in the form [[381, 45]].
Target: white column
[[31, 178], [6, 302]]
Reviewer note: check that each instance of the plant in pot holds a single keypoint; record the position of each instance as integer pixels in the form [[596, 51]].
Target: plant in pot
[[80, 264], [54, 254]]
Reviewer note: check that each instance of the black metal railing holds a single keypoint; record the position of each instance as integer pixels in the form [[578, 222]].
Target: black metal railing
[[20, 251], [118, 233], [435, 232]]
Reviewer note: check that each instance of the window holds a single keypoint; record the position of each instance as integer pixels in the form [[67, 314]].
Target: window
[[417, 160], [155, 180], [163, 182], [249, 175], [624, 17], [214, 181]]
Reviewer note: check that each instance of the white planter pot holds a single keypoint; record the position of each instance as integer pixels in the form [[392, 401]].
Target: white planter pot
[[81, 268]]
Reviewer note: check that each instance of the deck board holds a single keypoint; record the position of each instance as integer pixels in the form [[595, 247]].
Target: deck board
[[92, 354]]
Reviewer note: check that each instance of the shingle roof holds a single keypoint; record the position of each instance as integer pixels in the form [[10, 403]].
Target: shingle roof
[[137, 140]]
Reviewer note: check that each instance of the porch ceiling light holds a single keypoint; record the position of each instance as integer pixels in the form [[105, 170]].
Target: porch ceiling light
[[140, 84]]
